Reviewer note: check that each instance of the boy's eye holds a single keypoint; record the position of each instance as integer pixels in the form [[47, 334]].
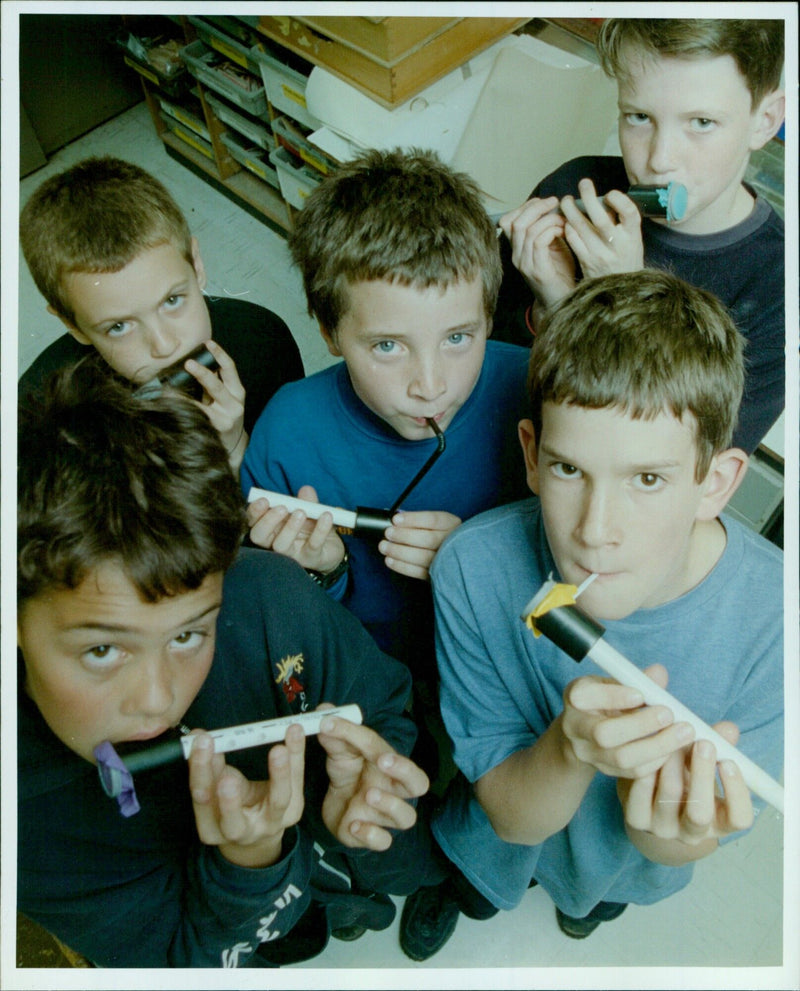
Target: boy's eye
[[174, 301], [102, 655], [459, 337], [701, 124], [648, 481], [118, 329], [385, 347], [189, 639], [562, 470], [636, 118]]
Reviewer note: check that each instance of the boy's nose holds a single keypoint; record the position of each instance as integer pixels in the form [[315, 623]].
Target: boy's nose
[[661, 157], [427, 381], [162, 341], [150, 692], [597, 526]]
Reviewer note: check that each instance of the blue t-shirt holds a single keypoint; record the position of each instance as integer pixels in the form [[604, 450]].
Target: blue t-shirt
[[501, 687], [318, 432]]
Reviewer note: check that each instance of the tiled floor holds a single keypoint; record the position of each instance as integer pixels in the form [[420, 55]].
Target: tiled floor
[[732, 914]]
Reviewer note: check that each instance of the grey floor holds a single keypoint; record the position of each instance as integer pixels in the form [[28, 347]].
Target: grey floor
[[729, 923]]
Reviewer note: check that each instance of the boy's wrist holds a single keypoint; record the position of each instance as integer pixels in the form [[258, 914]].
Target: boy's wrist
[[327, 579]]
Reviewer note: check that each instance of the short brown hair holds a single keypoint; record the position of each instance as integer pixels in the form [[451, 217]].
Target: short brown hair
[[645, 342], [757, 47], [403, 217], [96, 217], [105, 475]]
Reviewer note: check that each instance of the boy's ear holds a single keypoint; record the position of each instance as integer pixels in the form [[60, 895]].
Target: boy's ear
[[724, 477], [768, 117], [79, 335], [330, 340], [197, 264], [527, 439]]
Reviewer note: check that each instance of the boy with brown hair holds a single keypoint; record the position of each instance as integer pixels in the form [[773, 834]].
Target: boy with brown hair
[[112, 253], [138, 614], [401, 268], [696, 97], [569, 779]]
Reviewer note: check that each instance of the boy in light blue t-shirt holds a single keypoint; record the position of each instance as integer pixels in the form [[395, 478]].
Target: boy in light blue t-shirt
[[569, 780]]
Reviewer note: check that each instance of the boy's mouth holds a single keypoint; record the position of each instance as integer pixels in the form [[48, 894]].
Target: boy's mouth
[[422, 421]]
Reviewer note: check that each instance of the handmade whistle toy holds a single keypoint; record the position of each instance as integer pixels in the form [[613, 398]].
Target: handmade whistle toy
[[554, 613], [668, 202], [366, 520], [175, 376], [116, 771]]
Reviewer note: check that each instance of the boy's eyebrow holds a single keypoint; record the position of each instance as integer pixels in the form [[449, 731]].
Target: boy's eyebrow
[[713, 113], [468, 325], [122, 628], [638, 468]]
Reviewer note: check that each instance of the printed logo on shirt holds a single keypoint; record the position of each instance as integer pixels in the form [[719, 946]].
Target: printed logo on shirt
[[265, 933], [288, 668]]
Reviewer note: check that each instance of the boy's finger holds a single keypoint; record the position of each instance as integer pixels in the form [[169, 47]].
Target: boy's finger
[[201, 771], [593, 694], [281, 781], [413, 781], [368, 835], [419, 521], [700, 798], [223, 358], [639, 802], [339, 736], [643, 756], [738, 803], [389, 810]]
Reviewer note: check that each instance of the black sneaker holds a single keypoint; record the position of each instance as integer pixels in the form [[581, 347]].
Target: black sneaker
[[581, 928], [348, 933], [429, 919]]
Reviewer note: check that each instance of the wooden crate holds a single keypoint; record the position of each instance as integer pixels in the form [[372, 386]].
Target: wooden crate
[[388, 58]]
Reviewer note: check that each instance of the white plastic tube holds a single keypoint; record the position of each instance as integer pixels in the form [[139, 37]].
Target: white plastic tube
[[623, 671], [341, 517]]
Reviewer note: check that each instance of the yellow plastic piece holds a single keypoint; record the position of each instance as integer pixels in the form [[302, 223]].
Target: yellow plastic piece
[[560, 594]]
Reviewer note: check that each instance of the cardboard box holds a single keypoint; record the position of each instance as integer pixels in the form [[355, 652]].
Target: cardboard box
[[390, 58]]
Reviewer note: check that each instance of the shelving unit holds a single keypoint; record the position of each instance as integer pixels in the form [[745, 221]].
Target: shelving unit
[[237, 115]]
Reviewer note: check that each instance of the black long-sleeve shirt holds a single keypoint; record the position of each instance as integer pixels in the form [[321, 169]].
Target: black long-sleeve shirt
[[259, 342], [144, 891], [742, 266]]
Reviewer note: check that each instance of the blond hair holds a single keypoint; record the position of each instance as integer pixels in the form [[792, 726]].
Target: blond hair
[[96, 217]]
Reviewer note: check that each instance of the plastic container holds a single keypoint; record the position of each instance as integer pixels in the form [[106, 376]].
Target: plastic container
[[285, 88], [297, 180], [254, 159], [188, 136], [257, 133], [185, 117], [175, 84], [295, 140], [227, 46], [219, 74]]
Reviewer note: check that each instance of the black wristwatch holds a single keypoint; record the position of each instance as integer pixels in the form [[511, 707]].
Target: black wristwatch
[[328, 579]]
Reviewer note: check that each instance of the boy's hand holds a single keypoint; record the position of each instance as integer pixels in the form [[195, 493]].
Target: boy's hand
[[608, 726], [678, 805], [247, 819], [535, 231], [223, 400], [608, 239], [369, 785], [312, 543], [411, 542]]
